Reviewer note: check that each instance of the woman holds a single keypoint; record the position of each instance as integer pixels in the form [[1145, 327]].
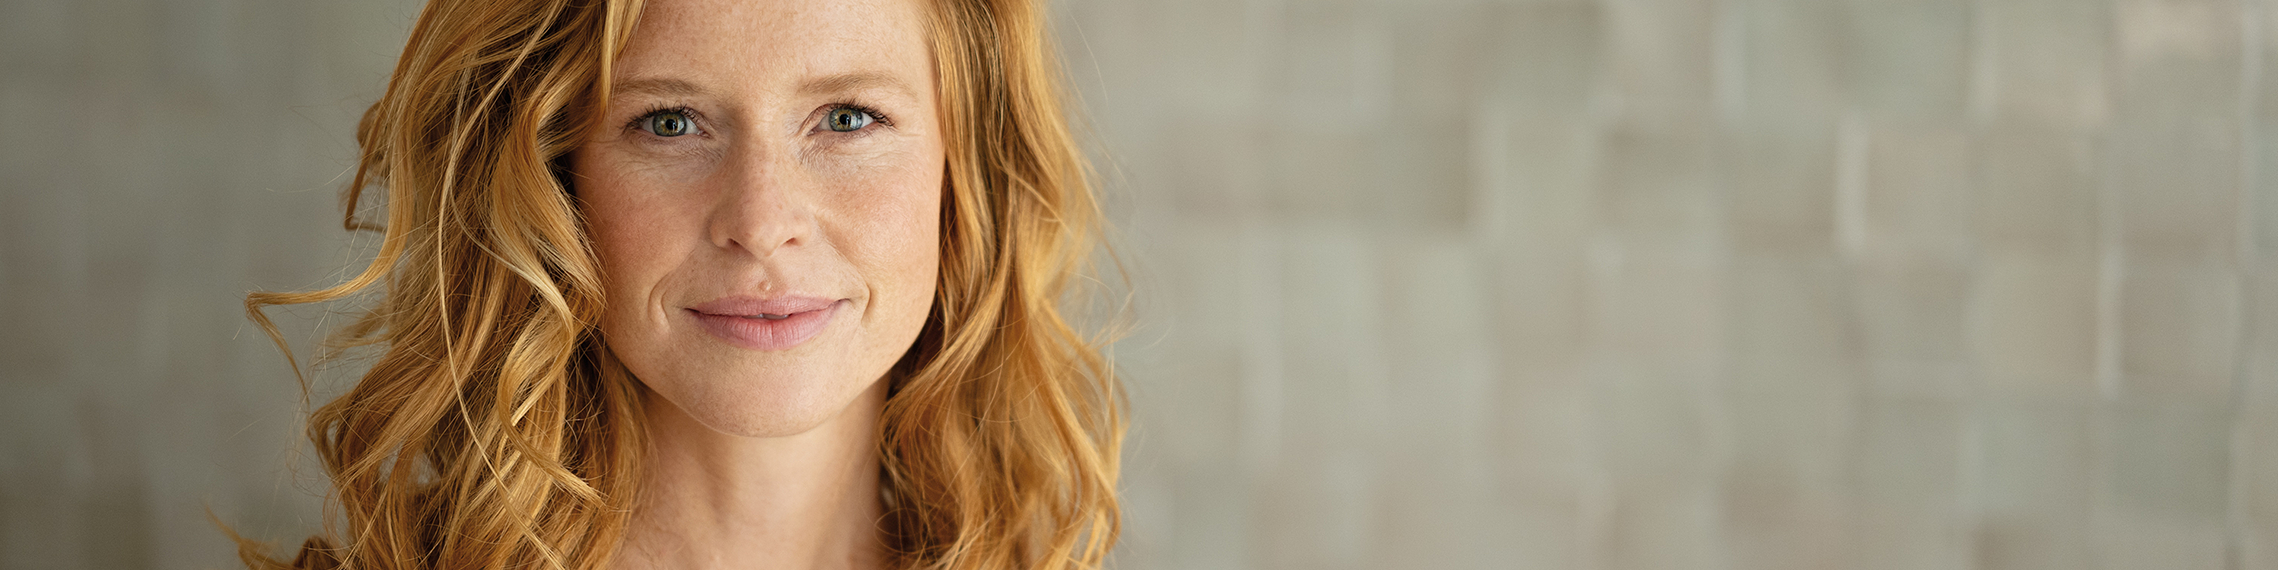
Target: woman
[[719, 283]]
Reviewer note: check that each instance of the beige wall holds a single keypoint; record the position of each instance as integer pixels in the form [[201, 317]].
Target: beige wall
[[157, 160], [1615, 284], [1745, 284]]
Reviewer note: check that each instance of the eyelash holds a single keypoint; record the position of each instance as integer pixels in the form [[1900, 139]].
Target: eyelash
[[875, 115]]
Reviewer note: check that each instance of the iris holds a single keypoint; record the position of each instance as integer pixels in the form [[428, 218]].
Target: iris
[[847, 119], [667, 124]]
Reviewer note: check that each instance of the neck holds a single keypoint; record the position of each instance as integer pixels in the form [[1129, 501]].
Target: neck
[[711, 500]]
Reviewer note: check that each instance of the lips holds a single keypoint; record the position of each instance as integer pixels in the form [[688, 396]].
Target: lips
[[764, 324]]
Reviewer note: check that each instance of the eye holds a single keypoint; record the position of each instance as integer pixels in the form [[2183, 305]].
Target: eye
[[667, 123], [847, 119]]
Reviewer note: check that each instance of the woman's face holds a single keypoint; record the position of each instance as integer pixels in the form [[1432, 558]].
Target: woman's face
[[765, 198]]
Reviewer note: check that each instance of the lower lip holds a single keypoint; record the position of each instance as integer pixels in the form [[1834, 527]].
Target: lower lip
[[767, 334]]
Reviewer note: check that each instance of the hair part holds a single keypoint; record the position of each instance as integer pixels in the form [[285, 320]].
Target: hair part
[[493, 429]]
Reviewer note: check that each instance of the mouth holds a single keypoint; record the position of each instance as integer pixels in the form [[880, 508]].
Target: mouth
[[764, 324]]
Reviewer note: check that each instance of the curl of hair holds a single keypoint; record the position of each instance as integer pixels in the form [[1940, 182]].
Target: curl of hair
[[493, 430]]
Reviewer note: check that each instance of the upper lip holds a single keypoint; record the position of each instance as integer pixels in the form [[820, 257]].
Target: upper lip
[[746, 306]]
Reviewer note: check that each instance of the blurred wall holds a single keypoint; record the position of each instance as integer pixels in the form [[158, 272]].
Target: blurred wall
[[1714, 284], [1616, 284], [159, 159]]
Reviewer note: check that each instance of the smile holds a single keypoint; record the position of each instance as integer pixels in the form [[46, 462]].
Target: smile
[[764, 325]]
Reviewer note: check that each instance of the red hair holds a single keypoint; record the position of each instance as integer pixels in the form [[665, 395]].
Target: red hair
[[492, 431]]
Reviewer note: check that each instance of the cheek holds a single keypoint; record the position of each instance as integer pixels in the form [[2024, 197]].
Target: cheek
[[914, 222], [633, 237], [898, 225]]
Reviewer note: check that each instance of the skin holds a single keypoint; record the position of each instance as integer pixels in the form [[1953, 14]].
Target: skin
[[765, 458]]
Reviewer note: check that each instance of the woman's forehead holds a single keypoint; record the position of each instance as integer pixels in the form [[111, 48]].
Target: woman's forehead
[[784, 46]]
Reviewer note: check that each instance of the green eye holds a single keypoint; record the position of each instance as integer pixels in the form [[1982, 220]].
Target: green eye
[[847, 119], [667, 124]]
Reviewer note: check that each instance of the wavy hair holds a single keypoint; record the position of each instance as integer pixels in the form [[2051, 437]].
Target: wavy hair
[[492, 429]]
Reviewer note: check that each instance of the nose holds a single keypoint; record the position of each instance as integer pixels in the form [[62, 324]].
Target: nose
[[764, 206]]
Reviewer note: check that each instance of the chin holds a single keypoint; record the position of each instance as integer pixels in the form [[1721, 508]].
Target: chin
[[768, 409], [735, 392]]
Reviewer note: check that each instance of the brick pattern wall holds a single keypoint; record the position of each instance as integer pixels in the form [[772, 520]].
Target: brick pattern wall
[[1556, 284], [1698, 284]]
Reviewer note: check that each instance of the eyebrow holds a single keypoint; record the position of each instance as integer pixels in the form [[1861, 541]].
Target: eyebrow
[[858, 81], [840, 83], [654, 86]]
